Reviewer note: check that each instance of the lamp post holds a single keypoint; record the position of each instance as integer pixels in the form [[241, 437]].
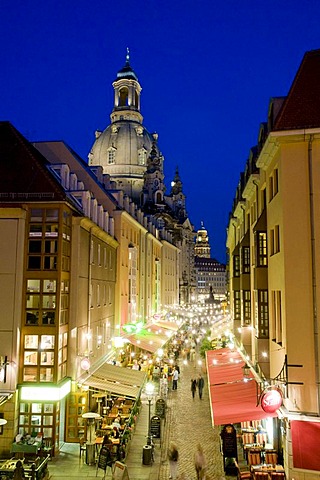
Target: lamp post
[[149, 392]]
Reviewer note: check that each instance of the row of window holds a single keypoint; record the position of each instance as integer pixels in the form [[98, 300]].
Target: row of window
[[242, 310], [142, 156], [241, 263]]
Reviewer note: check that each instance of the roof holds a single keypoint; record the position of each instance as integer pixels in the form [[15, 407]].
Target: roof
[[35, 181], [301, 109], [127, 72]]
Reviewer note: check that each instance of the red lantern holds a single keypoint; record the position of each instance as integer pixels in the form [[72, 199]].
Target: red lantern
[[271, 400]]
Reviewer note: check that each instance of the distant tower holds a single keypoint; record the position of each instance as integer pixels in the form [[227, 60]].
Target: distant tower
[[202, 246]]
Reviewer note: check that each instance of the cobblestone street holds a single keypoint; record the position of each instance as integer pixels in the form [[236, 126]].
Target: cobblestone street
[[188, 423]]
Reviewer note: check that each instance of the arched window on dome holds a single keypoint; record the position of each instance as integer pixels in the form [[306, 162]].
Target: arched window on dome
[[123, 97], [136, 99], [142, 156], [111, 155], [158, 197]]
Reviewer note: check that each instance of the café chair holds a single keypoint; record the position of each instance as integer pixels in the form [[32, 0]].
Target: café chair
[[245, 425], [47, 446], [82, 444], [278, 476], [271, 457], [247, 438], [243, 473], [261, 438], [254, 458], [261, 476], [255, 424]]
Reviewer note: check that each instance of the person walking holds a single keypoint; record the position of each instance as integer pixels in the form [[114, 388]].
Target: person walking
[[193, 386], [175, 378], [200, 462], [200, 385], [173, 456]]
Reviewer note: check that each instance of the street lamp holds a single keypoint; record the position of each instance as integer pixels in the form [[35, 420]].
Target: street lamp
[[149, 391]]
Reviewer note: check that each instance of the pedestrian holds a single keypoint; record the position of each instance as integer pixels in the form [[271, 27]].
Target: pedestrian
[[193, 386], [200, 385], [200, 462], [173, 456], [175, 379]]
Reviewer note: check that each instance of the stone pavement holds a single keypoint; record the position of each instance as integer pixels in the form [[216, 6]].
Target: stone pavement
[[188, 422]]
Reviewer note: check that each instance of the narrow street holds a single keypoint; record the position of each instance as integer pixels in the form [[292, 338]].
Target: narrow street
[[188, 423]]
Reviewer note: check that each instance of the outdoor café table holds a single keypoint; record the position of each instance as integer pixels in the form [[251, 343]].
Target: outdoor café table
[[267, 467], [24, 447]]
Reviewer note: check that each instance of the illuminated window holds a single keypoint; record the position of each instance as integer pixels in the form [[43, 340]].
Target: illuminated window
[[237, 305], [246, 307], [245, 259], [263, 314], [38, 358], [41, 302], [36, 418], [261, 249], [236, 266]]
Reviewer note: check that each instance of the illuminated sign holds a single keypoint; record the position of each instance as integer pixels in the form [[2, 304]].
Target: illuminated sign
[[45, 392], [133, 327], [271, 400]]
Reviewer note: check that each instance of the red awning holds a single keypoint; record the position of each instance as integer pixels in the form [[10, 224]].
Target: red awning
[[305, 444], [232, 399]]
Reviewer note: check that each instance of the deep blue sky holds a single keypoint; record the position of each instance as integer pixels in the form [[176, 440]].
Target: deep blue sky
[[207, 68]]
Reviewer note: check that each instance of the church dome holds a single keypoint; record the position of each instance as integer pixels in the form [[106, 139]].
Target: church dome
[[123, 148], [122, 144]]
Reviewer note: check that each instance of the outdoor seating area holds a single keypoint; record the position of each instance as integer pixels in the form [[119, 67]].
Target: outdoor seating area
[[256, 457], [33, 468]]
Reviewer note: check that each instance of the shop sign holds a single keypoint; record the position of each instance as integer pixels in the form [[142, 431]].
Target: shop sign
[[271, 400]]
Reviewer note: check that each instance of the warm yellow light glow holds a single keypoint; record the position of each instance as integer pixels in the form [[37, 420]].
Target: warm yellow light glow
[[45, 393]]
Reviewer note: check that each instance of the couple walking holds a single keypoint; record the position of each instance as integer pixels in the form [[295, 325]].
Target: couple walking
[[197, 383]]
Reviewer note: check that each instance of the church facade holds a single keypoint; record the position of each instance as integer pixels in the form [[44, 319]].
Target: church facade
[[131, 157]]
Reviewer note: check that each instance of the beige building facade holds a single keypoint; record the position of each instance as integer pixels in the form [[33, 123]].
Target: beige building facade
[[274, 262], [78, 261]]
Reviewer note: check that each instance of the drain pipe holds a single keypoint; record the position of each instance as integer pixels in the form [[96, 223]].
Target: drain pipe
[[313, 267]]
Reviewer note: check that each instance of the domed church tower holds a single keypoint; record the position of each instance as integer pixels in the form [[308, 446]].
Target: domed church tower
[[202, 246], [123, 148]]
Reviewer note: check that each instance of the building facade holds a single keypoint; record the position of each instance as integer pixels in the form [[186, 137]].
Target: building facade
[[274, 260], [78, 260]]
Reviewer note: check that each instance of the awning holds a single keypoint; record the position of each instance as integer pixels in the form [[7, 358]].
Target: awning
[[305, 444], [151, 338], [232, 399], [118, 380], [168, 325], [4, 397]]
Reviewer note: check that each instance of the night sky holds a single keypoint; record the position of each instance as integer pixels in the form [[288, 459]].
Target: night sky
[[207, 69]]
